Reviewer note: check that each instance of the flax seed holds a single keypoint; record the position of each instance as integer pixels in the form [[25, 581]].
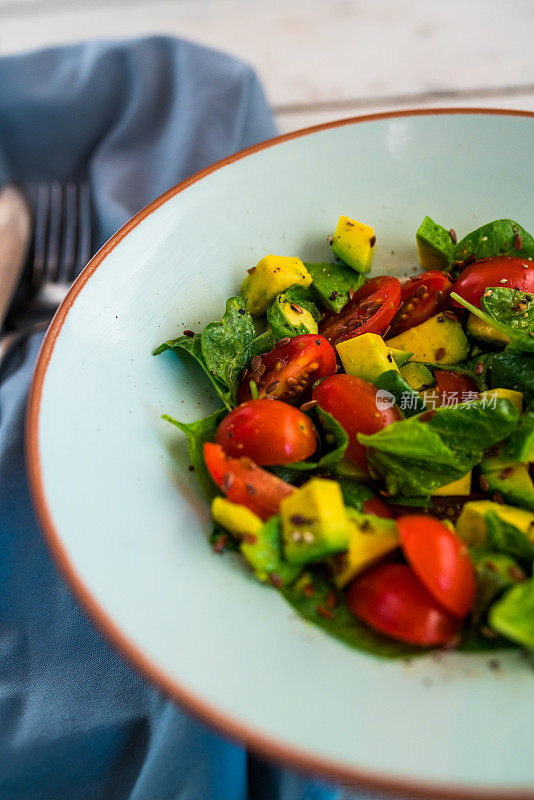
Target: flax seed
[[189, 333], [518, 241], [308, 405], [452, 234], [283, 341]]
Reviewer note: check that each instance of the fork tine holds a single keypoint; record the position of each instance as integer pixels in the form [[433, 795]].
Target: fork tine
[[54, 232], [67, 263], [86, 227], [42, 210]]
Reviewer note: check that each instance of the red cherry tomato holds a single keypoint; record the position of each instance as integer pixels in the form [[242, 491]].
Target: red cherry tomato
[[454, 388], [377, 507], [440, 560], [352, 401], [371, 310], [391, 599], [290, 369], [422, 296], [489, 272], [245, 483], [267, 431]]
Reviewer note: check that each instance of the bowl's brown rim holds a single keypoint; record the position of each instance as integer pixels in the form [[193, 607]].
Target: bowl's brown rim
[[238, 731]]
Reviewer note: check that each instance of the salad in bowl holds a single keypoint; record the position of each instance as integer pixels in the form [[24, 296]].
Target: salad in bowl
[[372, 456]]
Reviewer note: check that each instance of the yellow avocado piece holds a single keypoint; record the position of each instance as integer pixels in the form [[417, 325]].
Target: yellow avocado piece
[[296, 319], [471, 524], [366, 356], [461, 486], [314, 521], [504, 394], [480, 329], [354, 243], [400, 356], [439, 339], [237, 519], [271, 276], [417, 376], [370, 539]]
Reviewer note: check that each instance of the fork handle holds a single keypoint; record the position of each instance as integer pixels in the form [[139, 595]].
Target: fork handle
[[11, 340], [15, 230]]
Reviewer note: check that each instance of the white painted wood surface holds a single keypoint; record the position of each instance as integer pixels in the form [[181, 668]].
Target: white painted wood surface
[[322, 59]]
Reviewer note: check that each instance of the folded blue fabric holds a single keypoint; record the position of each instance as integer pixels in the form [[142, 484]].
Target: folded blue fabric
[[76, 722]]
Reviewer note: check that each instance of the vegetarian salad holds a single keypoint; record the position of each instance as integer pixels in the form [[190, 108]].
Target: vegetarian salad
[[372, 456]]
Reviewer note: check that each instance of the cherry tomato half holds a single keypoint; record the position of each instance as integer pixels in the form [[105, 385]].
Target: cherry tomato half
[[267, 431], [290, 368], [454, 388], [391, 599], [440, 560], [352, 401], [371, 310], [489, 272], [245, 483], [422, 296], [377, 507]]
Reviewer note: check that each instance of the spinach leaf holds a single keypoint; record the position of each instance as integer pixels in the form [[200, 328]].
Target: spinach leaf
[[494, 572], [506, 538], [494, 239], [333, 443], [520, 445], [406, 398], [513, 615], [224, 348], [520, 340], [277, 318], [417, 455], [333, 283], [197, 433], [510, 370], [511, 307], [310, 597], [354, 494]]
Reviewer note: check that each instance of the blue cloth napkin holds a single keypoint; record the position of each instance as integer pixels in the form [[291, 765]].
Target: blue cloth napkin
[[76, 722]]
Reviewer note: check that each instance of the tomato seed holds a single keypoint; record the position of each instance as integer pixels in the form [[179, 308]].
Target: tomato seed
[[227, 481]]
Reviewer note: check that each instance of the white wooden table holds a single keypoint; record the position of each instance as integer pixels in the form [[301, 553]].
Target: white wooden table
[[323, 59]]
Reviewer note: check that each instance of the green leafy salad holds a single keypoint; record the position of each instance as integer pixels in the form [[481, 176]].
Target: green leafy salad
[[372, 458]]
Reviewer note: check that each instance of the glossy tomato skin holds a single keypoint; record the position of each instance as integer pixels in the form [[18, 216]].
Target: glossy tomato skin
[[440, 560], [422, 296], [267, 431], [352, 401], [392, 600], [377, 507], [454, 388], [490, 272], [290, 369], [371, 310], [243, 482]]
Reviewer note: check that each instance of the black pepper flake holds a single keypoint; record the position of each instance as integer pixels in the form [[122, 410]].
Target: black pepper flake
[[334, 295], [494, 664], [241, 311], [390, 357]]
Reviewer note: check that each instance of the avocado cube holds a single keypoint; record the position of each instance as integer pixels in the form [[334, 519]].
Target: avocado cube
[[472, 528], [513, 614], [417, 376], [400, 356], [511, 479], [271, 276], [315, 523], [479, 329], [461, 486], [492, 395], [440, 339], [371, 538], [302, 321], [435, 246], [333, 283], [354, 243], [366, 356]]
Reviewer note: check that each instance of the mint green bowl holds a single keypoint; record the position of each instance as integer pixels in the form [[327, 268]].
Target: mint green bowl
[[123, 515]]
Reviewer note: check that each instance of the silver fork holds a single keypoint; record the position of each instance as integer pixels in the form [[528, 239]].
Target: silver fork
[[62, 246]]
